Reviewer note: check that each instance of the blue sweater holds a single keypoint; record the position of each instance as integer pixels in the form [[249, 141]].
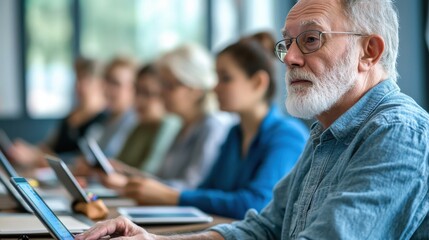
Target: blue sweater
[[237, 183]]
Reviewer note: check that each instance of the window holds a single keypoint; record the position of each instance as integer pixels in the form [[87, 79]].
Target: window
[[48, 57], [140, 28], [10, 104], [234, 18]]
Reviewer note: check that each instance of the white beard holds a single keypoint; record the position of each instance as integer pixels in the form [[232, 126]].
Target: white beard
[[309, 101]]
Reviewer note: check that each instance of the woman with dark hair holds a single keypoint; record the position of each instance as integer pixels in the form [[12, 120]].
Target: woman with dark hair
[[258, 152]]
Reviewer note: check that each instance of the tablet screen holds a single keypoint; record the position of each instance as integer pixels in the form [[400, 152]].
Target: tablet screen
[[44, 213]]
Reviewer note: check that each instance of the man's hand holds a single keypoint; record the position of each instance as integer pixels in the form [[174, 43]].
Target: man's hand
[[147, 191], [120, 227]]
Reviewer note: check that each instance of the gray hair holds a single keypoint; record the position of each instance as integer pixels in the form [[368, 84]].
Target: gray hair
[[377, 17], [193, 66]]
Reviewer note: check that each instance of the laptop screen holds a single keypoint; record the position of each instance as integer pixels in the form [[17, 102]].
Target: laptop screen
[[43, 212]]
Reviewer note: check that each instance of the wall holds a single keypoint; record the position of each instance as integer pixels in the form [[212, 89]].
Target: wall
[[412, 61], [9, 87]]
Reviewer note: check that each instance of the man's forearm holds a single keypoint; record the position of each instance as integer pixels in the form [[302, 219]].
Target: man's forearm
[[207, 235]]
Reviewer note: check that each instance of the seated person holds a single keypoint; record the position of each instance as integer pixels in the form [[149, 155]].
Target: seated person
[[148, 142], [364, 171], [188, 79], [121, 118], [258, 152], [88, 112]]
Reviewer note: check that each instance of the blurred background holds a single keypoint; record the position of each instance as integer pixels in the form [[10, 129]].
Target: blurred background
[[39, 40]]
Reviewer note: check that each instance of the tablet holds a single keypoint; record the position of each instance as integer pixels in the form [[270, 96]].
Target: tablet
[[7, 167], [55, 227], [5, 142], [57, 203], [67, 179], [94, 155], [165, 215], [20, 203]]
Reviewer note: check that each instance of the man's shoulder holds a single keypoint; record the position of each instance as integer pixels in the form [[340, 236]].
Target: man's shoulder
[[399, 109]]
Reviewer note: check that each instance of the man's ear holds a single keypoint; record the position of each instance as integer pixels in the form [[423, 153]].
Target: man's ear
[[372, 50]]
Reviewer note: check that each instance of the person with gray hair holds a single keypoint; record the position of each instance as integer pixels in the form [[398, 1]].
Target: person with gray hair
[[365, 170], [188, 77]]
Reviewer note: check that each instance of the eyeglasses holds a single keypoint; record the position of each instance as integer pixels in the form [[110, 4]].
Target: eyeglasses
[[307, 41]]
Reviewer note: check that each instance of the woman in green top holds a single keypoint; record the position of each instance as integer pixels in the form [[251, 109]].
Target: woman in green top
[[148, 142]]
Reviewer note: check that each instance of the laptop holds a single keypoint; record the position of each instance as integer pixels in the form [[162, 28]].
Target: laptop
[[58, 204], [55, 226]]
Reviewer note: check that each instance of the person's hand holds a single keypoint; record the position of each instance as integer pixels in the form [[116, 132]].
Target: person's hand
[[147, 191], [113, 180], [118, 227], [81, 167], [126, 169], [25, 154]]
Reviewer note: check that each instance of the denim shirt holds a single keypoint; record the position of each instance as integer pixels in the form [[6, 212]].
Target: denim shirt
[[364, 177]]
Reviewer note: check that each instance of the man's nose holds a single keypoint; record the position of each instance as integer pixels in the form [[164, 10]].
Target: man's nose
[[294, 57]]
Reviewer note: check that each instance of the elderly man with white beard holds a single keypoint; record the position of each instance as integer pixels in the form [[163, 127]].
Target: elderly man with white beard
[[364, 171]]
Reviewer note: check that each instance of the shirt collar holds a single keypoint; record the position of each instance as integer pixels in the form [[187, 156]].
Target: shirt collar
[[347, 125]]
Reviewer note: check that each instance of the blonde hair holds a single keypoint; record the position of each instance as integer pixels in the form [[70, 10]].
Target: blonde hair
[[193, 66]]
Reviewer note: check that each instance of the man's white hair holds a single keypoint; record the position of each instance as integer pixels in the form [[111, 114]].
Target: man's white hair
[[377, 17]]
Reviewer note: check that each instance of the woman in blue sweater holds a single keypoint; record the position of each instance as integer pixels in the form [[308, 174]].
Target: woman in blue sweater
[[258, 152]]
